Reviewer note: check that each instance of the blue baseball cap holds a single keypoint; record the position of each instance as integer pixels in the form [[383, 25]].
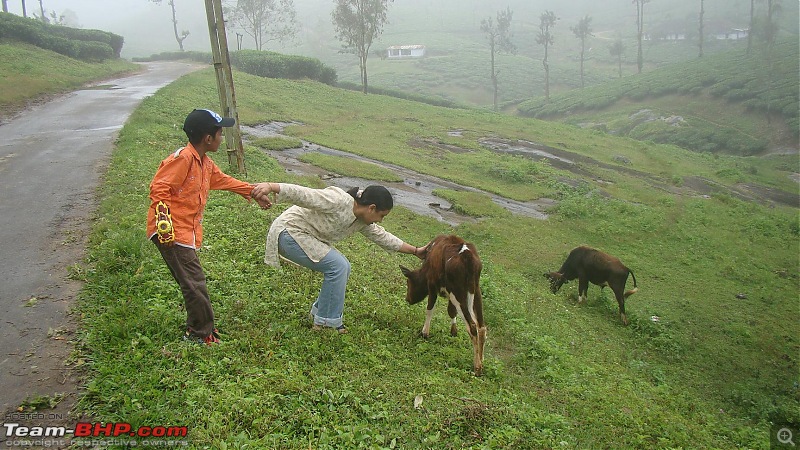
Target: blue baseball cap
[[205, 121]]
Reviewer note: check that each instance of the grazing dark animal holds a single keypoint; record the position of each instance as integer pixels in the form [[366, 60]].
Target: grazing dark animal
[[451, 269], [591, 265]]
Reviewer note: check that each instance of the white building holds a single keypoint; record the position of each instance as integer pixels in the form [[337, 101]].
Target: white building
[[405, 51]]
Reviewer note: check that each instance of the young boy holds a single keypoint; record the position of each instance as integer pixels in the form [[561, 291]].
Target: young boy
[[178, 196]]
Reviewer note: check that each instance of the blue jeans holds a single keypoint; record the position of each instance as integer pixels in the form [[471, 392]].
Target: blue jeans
[[335, 268]]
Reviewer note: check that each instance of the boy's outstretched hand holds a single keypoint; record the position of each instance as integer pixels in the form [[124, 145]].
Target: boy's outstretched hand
[[263, 201], [261, 193]]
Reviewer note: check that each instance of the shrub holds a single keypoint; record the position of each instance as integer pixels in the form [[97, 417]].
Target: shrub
[[87, 45], [276, 65], [201, 57], [94, 51], [114, 41], [431, 100]]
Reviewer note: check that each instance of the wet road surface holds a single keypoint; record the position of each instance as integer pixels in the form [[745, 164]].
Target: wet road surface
[[51, 160]]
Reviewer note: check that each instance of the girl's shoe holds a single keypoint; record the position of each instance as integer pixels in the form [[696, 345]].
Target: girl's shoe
[[341, 329]]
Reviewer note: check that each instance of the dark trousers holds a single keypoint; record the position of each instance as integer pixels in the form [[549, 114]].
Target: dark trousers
[[185, 267]]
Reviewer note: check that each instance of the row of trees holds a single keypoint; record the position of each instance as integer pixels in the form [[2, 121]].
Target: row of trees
[[263, 20], [498, 33], [357, 24], [53, 19]]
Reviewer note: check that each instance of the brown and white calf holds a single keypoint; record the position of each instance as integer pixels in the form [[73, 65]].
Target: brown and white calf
[[451, 269], [591, 265]]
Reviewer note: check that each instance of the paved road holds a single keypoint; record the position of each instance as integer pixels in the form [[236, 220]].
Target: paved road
[[51, 161]]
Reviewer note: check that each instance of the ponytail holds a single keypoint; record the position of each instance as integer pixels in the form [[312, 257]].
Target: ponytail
[[373, 195]]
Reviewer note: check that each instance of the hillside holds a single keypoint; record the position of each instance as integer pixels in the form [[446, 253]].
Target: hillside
[[700, 366], [457, 62], [29, 74], [730, 102]]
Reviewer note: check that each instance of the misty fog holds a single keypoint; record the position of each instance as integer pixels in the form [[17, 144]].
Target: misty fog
[[449, 30], [147, 26]]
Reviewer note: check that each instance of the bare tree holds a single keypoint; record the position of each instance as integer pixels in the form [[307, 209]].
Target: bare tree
[[700, 41], [56, 19], [770, 33], [583, 31], [545, 37], [41, 8], [5, 6], [771, 26], [617, 49], [24, 10], [499, 36], [183, 34], [266, 20], [752, 20], [640, 31], [358, 23]]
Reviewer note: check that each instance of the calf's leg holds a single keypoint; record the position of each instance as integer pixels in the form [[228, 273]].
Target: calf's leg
[[451, 311], [426, 328], [583, 289], [621, 302], [481, 342], [477, 335]]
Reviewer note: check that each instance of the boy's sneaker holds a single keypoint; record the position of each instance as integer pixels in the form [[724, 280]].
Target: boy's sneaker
[[212, 338]]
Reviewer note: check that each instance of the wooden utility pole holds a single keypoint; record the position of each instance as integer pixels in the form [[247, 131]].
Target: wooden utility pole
[[227, 98]]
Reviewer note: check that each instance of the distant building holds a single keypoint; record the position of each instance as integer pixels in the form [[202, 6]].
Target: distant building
[[683, 30], [405, 51], [735, 33], [723, 29]]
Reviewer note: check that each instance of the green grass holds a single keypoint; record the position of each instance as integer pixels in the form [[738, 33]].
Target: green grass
[[29, 72], [350, 167], [713, 372], [724, 99], [275, 143], [472, 203]]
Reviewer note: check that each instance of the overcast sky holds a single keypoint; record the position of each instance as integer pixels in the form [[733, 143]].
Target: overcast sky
[[146, 26], [91, 13]]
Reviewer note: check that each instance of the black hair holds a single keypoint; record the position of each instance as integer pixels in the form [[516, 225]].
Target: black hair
[[373, 195], [196, 136]]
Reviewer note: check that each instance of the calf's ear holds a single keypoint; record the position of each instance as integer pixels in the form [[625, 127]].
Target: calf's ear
[[405, 271]]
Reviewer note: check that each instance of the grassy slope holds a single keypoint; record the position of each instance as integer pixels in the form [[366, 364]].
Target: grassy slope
[[712, 373], [458, 62], [29, 72], [457, 65], [723, 95]]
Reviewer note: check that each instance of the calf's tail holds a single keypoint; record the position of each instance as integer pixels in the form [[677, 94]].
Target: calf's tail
[[635, 289]]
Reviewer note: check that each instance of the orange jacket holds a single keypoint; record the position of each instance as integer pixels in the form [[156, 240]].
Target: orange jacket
[[182, 182]]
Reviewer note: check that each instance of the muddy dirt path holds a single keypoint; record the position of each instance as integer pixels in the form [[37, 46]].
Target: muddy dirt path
[[51, 160], [414, 193], [692, 185]]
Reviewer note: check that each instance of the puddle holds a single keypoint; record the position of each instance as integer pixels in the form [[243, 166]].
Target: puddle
[[525, 148], [415, 192]]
